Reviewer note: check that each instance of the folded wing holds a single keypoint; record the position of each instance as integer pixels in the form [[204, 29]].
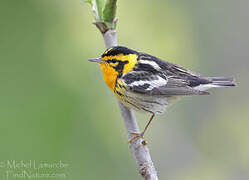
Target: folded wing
[[158, 83]]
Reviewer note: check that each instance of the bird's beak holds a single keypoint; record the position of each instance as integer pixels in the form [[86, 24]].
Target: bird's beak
[[97, 60]]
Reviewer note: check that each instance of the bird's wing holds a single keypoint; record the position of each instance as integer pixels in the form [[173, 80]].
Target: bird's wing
[[176, 74], [169, 68], [157, 83]]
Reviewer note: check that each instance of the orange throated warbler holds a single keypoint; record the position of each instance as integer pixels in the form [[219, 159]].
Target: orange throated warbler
[[148, 84]]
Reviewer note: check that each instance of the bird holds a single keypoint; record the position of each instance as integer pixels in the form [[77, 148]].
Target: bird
[[149, 84]]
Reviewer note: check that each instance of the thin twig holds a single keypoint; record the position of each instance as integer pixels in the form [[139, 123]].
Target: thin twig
[[138, 147]]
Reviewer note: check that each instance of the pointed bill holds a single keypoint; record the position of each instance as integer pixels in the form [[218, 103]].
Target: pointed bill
[[97, 60]]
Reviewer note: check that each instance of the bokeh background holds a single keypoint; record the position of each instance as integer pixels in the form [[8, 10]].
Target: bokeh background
[[54, 104]]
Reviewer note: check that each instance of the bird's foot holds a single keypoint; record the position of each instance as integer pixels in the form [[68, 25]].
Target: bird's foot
[[136, 136]]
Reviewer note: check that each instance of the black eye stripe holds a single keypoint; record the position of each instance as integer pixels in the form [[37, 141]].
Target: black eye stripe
[[120, 63], [112, 61]]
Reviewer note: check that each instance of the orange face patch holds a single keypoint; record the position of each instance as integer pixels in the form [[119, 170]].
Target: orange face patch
[[110, 74]]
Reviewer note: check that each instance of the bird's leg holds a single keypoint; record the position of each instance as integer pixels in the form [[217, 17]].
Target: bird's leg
[[141, 135]]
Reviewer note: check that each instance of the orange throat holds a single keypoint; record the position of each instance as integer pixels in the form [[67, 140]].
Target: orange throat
[[110, 75]]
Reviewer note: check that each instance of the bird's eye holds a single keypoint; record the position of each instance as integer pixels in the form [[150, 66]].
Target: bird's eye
[[114, 60]]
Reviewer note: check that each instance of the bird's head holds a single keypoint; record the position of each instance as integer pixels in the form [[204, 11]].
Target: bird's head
[[117, 60]]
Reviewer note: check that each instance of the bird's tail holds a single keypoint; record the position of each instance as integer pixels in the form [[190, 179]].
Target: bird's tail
[[216, 82], [222, 82]]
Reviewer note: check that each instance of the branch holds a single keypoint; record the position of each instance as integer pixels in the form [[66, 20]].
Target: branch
[[106, 22]]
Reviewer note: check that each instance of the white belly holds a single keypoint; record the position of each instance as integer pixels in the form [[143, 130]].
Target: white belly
[[152, 104]]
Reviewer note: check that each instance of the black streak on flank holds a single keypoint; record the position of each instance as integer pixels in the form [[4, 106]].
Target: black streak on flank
[[119, 93]]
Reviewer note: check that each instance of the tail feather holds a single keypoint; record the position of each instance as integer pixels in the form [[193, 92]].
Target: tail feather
[[222, 81], [216, 82]]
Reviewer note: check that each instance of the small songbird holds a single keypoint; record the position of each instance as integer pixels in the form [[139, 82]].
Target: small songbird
[[148, 84]]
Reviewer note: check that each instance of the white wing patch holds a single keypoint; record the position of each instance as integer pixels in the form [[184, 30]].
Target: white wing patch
[[154, 83], [152, 63]]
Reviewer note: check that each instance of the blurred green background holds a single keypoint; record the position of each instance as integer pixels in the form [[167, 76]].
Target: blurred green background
[[55, 105]]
